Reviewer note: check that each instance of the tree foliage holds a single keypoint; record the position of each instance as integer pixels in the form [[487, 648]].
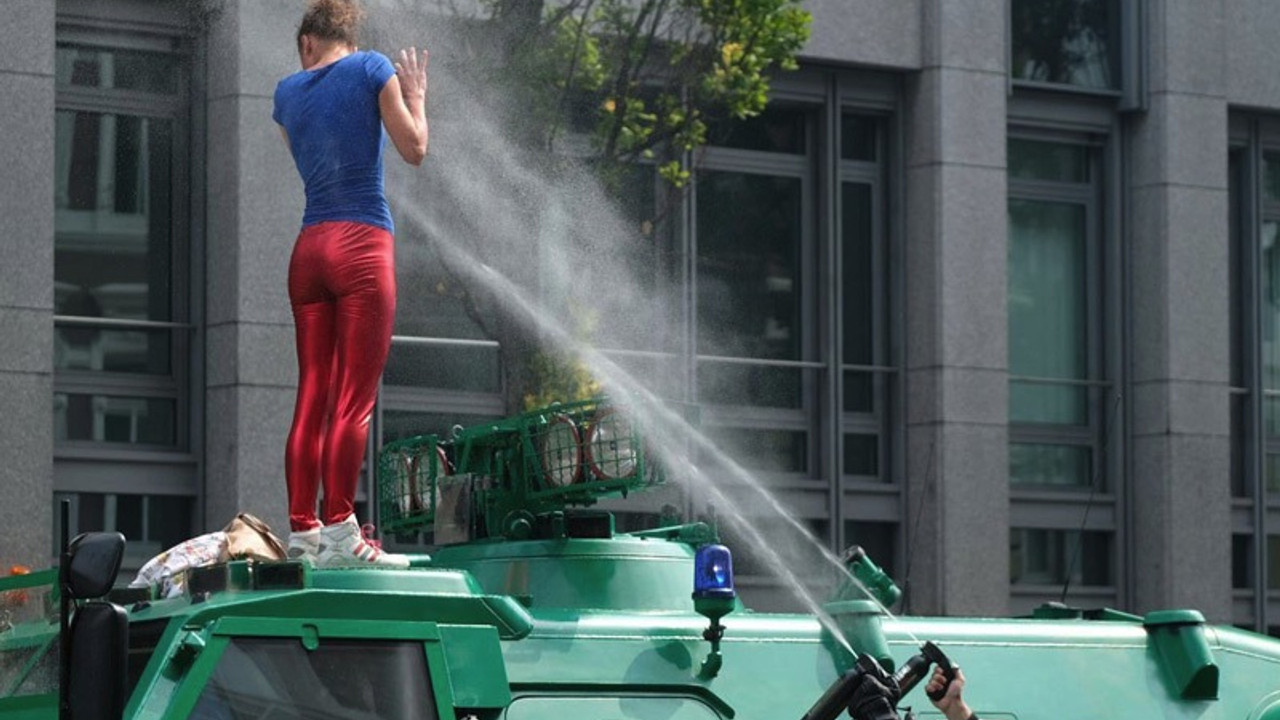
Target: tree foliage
[[645, 77], [643, 80]]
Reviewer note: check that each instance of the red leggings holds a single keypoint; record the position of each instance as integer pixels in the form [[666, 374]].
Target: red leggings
[[342, 286]]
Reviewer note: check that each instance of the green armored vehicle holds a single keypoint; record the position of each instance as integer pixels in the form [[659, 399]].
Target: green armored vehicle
[[533, 607]]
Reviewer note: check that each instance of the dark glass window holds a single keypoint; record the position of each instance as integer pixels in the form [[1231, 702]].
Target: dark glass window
[[749, 234], [859, 392], [1242, 561], [731, 383], [1054, 314], [858, 265], [780, 130], [279, 678], [1066, 42], [1048, 322], [442, 309], [878, 540], [117, 69], [861, 454], [1045, 465], [764, 450], [401, 424], [1254, 286], [1269, 312], [865, 278], [1047, 557], [788, 544], [151, 523], [113, 419], [859, 137], [1271, 177], [114, 259], [469, 369], [123, 302], [1039, 160], [858, 293], [113, 246], [1273, 562]]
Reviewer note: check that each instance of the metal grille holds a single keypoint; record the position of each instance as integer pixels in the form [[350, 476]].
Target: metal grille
[[566, 454]]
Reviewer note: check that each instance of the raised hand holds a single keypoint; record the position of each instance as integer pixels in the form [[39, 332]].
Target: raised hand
[[952, 704], [413, 76]]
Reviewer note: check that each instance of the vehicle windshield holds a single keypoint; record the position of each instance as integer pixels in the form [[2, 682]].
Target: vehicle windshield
[[28, 666], [278, 678]]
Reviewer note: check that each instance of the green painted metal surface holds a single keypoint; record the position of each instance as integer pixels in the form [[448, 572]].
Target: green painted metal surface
[[477, 674], [593, 653], [623, 573], [1185, 657], [567, 623]]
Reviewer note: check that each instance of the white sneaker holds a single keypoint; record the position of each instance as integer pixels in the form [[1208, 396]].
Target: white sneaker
[[304, 545], [343, 545]]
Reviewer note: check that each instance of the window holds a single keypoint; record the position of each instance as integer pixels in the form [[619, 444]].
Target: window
[[444, 368], [1054, 557], [151, 523], [865, 356], [339, 678], [123, 307], [1061, 400], [1069, 42], [769, 282], [769, 325], [1254, 194], [878, 541], [1053, 354]]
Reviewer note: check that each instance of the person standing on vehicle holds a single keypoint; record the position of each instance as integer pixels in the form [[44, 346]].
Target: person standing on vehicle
[[342, 274]]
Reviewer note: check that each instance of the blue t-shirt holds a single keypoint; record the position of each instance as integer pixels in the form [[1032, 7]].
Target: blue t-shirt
[[335, 132]]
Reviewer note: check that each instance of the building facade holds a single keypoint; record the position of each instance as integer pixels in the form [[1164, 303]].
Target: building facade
[[988, 290]]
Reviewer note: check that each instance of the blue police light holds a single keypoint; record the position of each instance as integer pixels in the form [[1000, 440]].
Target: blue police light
[[713, 573]]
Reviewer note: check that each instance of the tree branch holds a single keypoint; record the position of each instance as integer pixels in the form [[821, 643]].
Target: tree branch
[[624, 73], [568, 83]]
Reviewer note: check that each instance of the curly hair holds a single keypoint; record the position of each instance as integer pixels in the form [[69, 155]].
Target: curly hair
[[332, 20]]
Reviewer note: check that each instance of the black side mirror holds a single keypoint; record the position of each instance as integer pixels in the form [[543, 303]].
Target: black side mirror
[[99, 661], [93, 562]]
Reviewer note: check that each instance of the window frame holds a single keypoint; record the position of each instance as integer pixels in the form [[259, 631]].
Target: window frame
[[848, 500], [110, 468], [1255, 514], [183, 701], [1131, 58], [1035, 114], [819, 496]]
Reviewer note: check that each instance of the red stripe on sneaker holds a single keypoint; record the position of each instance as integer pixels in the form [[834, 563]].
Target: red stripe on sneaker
[[367, 552]]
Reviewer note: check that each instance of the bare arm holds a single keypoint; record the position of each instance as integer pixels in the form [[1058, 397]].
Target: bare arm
[[403, 103]]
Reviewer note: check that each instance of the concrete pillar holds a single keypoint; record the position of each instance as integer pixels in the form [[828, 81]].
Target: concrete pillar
[[957, 365], [254, 211], [26, 283], [1178, 223]]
